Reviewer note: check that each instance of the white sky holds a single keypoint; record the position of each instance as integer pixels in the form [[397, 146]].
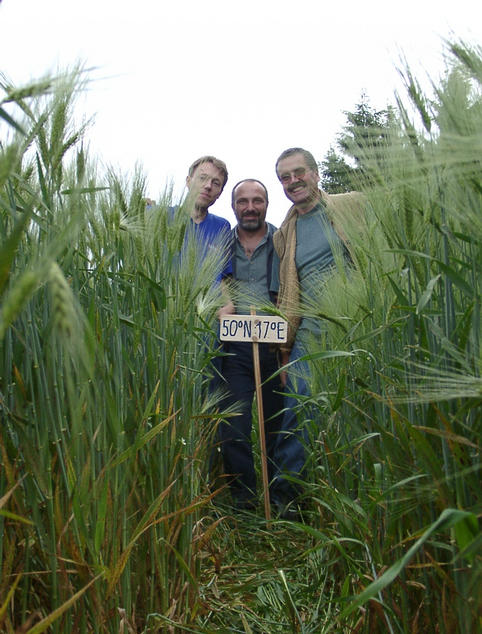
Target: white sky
[[243, 80]]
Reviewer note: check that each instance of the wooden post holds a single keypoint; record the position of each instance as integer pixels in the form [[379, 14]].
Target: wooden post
[[262, 437], [264, 329]]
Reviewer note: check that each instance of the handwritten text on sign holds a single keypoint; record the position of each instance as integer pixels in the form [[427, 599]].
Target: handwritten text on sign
[[258, 328]]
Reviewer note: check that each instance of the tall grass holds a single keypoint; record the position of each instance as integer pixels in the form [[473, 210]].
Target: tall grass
[[105, 417], [399, 450], [106, 515]]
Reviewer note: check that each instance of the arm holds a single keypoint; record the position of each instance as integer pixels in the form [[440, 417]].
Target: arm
[[284, 359], [228, 307]]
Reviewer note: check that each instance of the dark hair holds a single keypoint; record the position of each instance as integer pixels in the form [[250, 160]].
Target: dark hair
[[248, 180], [210, 159], [308, 156]]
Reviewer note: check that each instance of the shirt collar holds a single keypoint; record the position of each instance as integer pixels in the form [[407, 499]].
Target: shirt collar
[[262, 239]]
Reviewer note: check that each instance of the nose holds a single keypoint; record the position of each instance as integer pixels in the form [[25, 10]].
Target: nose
[[293, 177]]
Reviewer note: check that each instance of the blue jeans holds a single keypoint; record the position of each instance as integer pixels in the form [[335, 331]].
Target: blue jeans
[[292, 439], [235, 432]]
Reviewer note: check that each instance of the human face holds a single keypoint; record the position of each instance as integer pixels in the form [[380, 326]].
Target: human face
[[205, 185], [300, 182], [250, 205]]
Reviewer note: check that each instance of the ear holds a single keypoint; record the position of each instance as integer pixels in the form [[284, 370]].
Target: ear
[[188, 181]]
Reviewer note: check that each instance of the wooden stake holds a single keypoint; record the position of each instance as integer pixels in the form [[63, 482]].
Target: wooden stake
[[262, 437]]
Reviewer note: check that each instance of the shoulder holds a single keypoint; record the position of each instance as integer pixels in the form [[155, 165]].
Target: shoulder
[[351, 199], [215, 227], [279, 236], [217, 221], [346, 213], [347, 207]]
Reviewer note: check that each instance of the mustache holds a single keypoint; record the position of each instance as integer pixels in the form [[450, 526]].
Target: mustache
[[294, 186]]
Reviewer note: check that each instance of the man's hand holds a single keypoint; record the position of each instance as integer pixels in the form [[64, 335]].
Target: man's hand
[[285, 357], [227, 309]]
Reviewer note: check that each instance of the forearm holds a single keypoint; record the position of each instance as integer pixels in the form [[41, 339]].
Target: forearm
[[228, 307]]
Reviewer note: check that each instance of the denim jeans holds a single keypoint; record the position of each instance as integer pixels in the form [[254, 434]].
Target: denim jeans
[[235, 432], [290, 449]]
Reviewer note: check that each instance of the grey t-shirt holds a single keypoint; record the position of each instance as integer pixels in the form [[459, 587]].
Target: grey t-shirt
[[251, 275], [315, 241]]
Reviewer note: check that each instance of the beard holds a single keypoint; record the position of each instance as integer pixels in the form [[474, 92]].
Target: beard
[[250, 224]]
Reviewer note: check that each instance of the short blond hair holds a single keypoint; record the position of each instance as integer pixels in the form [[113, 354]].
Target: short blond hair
[[210, 159]]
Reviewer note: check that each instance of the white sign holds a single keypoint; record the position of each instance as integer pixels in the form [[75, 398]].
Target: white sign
[[254, 328]]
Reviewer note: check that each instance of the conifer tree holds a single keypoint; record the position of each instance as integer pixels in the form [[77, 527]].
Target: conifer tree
[[366, 130]]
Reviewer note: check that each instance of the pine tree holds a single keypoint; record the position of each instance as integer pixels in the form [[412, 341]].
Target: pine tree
[[366, 130], [336, 174]]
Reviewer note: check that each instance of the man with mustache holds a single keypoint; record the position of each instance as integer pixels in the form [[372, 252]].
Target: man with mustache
[[255, 268], [308, 244]]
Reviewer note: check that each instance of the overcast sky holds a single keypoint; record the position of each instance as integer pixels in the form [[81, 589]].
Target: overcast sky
[[244, 80]]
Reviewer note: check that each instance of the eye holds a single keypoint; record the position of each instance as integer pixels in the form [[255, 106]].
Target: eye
[[300, 172], [284, 178]]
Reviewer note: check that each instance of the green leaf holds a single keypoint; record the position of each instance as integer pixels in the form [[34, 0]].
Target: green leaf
[[402, 299], [427, 294], [53, 616], [6, 117], [8, 248], [14, 516], [324, 354], [457, 279], [339, 392], [83, 190], [447, 519], [466, 532], [100, 524], [161, 299], [4, 606]]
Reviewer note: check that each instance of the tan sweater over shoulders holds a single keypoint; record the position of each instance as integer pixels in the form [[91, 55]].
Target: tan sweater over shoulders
[[340, 209]]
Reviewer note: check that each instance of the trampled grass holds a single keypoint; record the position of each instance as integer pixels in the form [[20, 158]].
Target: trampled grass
[[108, 520]]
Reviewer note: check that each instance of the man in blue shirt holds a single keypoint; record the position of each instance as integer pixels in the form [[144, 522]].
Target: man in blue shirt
[[205, 181], [255, 267]]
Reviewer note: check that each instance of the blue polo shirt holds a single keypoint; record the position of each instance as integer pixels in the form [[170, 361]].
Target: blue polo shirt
[[212, 233]]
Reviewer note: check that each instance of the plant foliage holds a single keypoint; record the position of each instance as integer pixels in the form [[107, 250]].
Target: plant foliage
[[107, 520]]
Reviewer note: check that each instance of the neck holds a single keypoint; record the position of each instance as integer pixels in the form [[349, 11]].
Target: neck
[[198, 214], [305, 207], [251, 236]]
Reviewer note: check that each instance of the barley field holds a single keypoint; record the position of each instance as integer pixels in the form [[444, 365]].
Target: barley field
[[111, 519]]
